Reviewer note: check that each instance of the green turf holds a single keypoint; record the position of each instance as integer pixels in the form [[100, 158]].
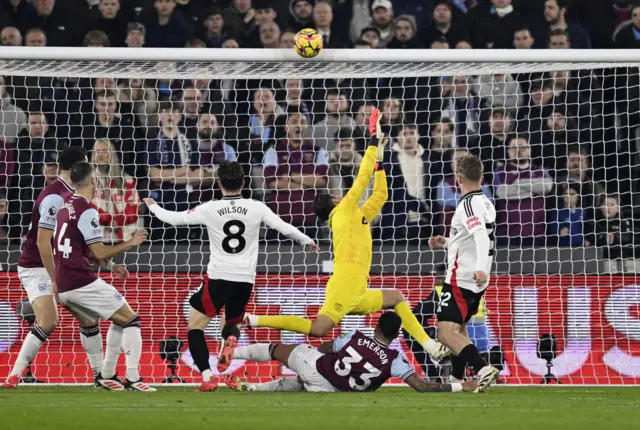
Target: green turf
[[392, 409]]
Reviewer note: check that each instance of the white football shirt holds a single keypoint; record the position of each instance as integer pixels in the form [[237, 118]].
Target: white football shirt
[[468, 249], [233, 224]]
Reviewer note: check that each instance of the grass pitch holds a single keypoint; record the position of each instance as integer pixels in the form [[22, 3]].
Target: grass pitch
[[537, 408]]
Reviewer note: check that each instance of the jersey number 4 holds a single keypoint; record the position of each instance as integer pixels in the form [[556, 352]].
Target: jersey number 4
[[64, 247], [239, 242], [343, 368]]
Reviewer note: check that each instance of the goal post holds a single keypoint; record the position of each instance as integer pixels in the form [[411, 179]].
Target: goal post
[[557, 131]]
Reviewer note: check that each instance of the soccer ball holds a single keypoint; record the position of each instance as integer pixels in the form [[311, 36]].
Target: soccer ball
[[308, 43]]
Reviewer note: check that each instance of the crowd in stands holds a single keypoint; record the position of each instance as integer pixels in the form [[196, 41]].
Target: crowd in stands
[[560, 148]]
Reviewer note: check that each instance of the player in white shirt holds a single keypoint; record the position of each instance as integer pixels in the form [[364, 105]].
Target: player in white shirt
[[233, 224], [470, 249]]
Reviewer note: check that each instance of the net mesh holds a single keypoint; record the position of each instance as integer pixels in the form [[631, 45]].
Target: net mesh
[[558, 142]]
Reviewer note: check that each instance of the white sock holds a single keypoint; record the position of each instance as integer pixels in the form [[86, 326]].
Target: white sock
[[30, 348], [93, 347], [253, 320], [257, 352], [288, 383], [114, 348], [207, 375], [132, 347]]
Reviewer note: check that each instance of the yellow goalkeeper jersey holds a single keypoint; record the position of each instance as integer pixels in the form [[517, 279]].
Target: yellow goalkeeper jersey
[[349, 223]]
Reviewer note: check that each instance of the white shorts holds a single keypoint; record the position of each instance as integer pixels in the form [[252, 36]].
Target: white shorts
[[35, 281], [303, 361], [96, 300]]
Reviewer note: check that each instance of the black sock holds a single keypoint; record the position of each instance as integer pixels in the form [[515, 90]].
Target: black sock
[[458, 367], [471, 355], [199, 349], [230, 330]]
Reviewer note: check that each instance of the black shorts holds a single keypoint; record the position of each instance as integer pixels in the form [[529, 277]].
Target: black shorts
[[214, 294], [457, 304]]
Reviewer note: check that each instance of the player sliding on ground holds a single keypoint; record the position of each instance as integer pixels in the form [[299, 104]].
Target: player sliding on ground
[[233, 224], [353, 362], [77, 240], [470, 249], [347, 291], [37, 271]]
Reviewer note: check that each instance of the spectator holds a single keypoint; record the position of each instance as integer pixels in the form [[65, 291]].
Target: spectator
[[551, 144], [461, 106], [96, 39], [383, 21], [371, 35], [135, 35], [300, 14], [50, 168], [353, 15], [116, 198], [12, 119], [405, 215], [628, 35], [269, 35], [211, 152], [108, 18], [522, 38], [61, 26], [239, 18], [296, 170], [293, 89], [344, 163], [493, 25], [569, 220], [262, 121], [7, 165], [579, 176], [337, 116], [192, 106], [405, 36], [143, 100], [463, 44], [492, 144], [230, 44], [559, 39], [10, 36], [499, 91], [530, 118], [213, 28], [287, 40], [521, 187], [440, 44], [392, 116], [4, 219], [173, 169], [448, 192], [264, 13], [35, 37], [332, 37], [166, 26], [22, 14], [108, 123], [617, 234], [442, 27], [555, 13]]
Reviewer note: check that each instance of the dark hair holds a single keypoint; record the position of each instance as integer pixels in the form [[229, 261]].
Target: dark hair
[[231, 176], [520, 28], [558, 32], [334, 92], [69, 157], [562, 4], [389, 325], [96, 37], [80, 174], [362, 42], [323, 205], [345, 133], [169, 106], [469, 167]]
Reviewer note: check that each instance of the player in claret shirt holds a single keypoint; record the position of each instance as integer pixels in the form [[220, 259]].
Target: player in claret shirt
[[233, 225], [347, 291], [353, 362], [77, 241]]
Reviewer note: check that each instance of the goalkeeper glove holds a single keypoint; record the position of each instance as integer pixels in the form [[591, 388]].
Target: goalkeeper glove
[[377, 138]]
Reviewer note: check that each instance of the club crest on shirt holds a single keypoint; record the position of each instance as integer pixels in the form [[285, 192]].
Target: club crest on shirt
[[454, 231], [43, 287], [338, 307], [94, 223], [52, 211], [118, 296]]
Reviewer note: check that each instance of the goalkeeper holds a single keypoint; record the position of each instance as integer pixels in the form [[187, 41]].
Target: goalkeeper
[[347, 291]]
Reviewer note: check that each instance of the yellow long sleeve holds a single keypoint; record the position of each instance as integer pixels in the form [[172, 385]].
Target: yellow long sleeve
[[372, 207], [362, 180]]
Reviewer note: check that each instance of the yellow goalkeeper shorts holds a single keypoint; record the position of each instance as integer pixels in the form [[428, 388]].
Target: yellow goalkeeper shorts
[[345, 298]]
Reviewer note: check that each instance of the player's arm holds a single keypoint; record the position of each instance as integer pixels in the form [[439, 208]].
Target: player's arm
[[372, 207], [49, 208], [472, 212], [194, 216], [275, 222], [368, 161], [336, 344], [90, 228], [401, 368]]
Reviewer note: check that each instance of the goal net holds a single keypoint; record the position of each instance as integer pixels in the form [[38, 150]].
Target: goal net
[[557, 133]]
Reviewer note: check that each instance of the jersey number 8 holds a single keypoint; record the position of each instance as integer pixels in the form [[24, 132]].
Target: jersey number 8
[[240, 243]]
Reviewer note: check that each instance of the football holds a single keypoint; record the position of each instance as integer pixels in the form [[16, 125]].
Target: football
[[308, 43]]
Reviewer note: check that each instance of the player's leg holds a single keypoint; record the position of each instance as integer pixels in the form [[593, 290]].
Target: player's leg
[[287, 383], [38, 287], [458, 364], [91, 340], [199, 350], [236, 296]]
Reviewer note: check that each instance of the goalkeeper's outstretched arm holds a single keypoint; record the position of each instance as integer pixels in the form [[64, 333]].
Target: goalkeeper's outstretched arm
[[372, 207]]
